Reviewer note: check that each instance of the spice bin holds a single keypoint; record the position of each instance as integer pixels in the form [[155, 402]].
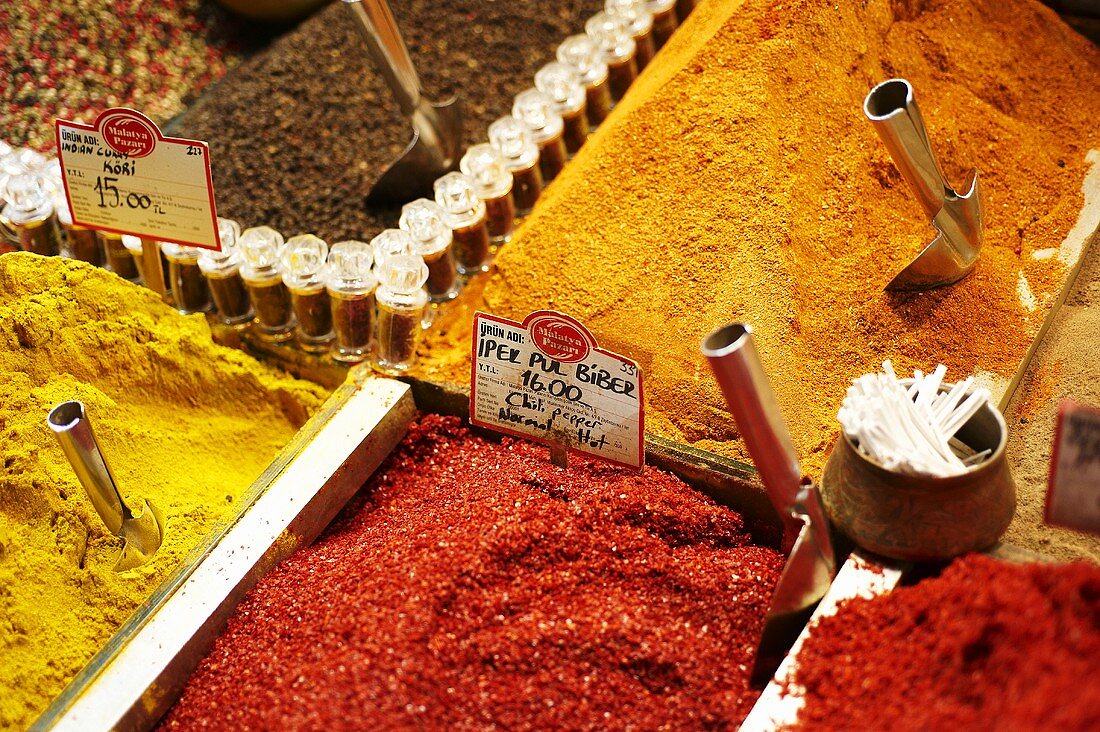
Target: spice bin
[[138, 674], [133, 678]]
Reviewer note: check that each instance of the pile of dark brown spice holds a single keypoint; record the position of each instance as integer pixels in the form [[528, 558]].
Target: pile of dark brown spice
[[300, 132]]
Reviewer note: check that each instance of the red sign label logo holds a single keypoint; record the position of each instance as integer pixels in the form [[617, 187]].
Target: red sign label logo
[[129, 135], [559, 338]]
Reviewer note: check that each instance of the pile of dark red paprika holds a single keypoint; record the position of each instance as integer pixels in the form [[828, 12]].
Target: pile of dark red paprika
[[472, 584]]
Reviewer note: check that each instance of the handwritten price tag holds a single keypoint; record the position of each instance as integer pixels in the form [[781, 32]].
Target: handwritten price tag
[[1073, 491], [546, 379], [123, 175]]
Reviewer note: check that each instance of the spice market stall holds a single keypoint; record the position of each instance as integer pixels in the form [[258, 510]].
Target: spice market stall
[[652, 175]]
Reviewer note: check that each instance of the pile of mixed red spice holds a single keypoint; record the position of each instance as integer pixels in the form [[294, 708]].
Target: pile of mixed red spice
[[987, 645], [75, 58], [473, 584]]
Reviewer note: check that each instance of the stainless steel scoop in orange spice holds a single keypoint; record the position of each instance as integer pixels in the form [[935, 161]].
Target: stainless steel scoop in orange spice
[[738, 180]]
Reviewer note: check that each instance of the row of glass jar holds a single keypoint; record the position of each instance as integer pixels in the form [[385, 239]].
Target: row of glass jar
[[355, 299], [502, 180], [576, 92]]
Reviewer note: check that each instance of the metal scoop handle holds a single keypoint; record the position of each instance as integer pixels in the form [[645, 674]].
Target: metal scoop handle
[[73, 430], [810, 567], [388, 50], [735, 361], [893, 111]]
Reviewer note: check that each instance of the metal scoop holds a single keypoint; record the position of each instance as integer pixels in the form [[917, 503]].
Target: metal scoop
[[893, 111], [811, 566], [437, 128], [141, 534]]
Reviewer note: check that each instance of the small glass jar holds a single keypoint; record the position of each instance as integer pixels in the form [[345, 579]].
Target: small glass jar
[[351, 284], [83, 244], [190, 293], [465, 213], [80, 242], [391, 243], [260, 248], [584, 55], [26, 159], [117, 248], [303, 263], [618, 49], [664, 20], [426, 224], [23, 161], [513, 141], [637, 18], [134, 250], [28, 216], [563, 85], [222, 270], [487, 168], [537, 110], [401, 303]]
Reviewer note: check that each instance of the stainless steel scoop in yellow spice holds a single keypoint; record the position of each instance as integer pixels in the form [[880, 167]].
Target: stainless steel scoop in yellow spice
[[957, 217], [141, 534]]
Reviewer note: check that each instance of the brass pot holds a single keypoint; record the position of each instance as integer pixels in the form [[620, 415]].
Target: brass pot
[[921, 518]]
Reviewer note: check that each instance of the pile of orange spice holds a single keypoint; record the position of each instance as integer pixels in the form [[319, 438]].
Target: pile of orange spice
[[739, 180]]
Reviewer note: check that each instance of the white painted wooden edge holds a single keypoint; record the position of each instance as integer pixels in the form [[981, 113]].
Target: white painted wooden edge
[[859, 577]]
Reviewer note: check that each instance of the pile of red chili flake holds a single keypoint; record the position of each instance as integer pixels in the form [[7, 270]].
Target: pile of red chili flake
[[471, 584], [985, 646]]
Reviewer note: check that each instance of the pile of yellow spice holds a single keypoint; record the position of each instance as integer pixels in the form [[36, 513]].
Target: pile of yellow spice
[[184, 423]]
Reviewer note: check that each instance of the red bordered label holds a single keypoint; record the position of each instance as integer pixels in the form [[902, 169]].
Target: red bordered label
[[1073, 489], [546, 379], [121, 174]]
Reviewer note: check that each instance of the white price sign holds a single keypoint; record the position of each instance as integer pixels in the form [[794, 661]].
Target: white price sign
[[123, 175], [1073, 491], [547, 380]]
